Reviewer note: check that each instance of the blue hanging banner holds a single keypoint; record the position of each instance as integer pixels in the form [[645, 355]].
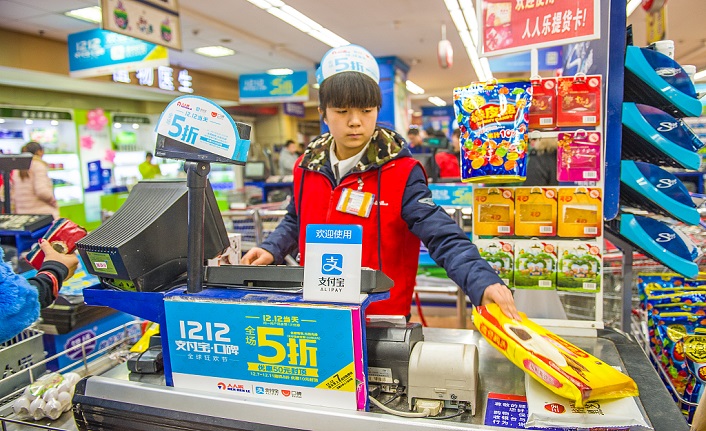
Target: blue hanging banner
[[262, 87]]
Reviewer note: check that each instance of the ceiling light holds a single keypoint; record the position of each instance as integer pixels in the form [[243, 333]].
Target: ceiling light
[[117, 125], [486, 68], [28, 121], [91, 14], [438, 101], [300, 21], [632, 6], [214, 51], [464, 17], [2, 120], [54, 123], [698, 76], [414, 88], [135, 126]]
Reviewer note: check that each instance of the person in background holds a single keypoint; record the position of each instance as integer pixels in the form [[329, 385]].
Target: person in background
[[22, 298], [415, 141], [541, 166], [448, 160], [287, 157], [33, 190], [385, 191], [149, 170]]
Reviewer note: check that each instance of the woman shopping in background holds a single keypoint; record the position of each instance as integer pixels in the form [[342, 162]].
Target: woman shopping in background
[[33, 190]]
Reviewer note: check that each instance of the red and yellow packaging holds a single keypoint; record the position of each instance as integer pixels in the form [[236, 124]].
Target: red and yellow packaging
[[578, 101], [580, 212], [557, 364], [535, 211], [62, 236], [494, 211], [542, 113]]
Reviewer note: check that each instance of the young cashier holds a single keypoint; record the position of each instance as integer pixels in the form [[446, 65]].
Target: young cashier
[[386, 193]]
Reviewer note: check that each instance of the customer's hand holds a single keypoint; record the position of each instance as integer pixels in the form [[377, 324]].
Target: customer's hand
[[257, 256], [501, 295], [68, 260]]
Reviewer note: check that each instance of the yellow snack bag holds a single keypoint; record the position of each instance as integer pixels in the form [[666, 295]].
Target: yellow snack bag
[[494, 211], [580, 212], [536, 210], [557, 364]]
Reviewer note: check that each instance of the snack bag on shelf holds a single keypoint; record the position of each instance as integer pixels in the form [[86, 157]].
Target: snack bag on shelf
[[580, 212], [542, 114], [493, 211], [557, 364], [62, 236], [579, 101], [535, 211], [579, 156], [695, 352], [535, 265], [579, 267], [499, 254], [647, 283], [492, 118]]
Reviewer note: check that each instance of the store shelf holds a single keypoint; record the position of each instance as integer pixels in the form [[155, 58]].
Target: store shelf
[[641, 141], [670, 248], [648, 187], [644, 85]]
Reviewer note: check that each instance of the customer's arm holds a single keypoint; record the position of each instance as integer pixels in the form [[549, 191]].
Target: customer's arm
[[57, 267], [450, 248]]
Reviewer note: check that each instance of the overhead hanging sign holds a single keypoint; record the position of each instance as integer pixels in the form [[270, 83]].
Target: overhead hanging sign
[[261, 87], [98, 52], [519, 25], [153, 21]]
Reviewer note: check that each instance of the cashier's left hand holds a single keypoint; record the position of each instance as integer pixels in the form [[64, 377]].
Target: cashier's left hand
[[502, 296]]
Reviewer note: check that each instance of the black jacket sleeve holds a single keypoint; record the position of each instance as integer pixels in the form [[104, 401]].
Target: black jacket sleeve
[[448, 245], [44, 283]]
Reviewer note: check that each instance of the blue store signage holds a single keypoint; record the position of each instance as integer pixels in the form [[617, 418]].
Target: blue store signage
[[99, 52], [261, 87]]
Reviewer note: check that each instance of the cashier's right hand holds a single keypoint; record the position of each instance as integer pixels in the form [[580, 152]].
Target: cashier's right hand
[[257, 256]]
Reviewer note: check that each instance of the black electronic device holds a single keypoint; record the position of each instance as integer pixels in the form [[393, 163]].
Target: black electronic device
[[148, 362], [24, 222], [143, 247], [283, 278], [389, 349], [255, 171], [9, 162]]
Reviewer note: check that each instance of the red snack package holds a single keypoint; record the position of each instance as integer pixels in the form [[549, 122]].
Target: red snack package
[[542, 113], [62, 235], [579, 101]]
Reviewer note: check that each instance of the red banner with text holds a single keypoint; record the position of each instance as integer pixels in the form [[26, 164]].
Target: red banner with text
[[519, 25]]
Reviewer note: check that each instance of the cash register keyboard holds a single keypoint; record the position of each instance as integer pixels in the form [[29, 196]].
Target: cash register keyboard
[[24, 222]]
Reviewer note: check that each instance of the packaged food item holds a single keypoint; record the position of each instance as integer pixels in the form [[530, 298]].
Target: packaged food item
[[647, 283], [542, 114], [579, 101], [579, 156], [695, 352], [580, 212], [535, 211], [499, 254], [535, 265], [557, 364], [493, 211], [548, 410], [492, 118], [497, 17], [579, 267], [62, 236]]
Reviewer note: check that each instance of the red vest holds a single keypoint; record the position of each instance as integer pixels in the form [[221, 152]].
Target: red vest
[[399, 247]]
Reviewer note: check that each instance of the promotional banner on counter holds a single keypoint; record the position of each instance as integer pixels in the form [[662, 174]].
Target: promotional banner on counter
[[155, 21], [98, 52], [516, 26], [261, 88], [286, 353]]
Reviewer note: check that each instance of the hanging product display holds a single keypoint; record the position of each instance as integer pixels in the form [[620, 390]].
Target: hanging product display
[[494, 211], [649, 187], [542, 114], [493, 120], [500, 255], [652, 135], [657, 80], [580, 212], [579, 266], [579, 156], [535, 265], [535, 211], [579, 101]]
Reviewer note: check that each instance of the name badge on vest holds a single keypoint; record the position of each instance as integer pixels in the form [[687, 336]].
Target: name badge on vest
[[355, 202]]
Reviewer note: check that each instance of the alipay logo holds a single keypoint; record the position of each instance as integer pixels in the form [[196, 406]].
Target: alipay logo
[[259, 390], [332, 264]]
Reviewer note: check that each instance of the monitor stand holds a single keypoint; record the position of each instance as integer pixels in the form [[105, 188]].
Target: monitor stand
[[196, 181]]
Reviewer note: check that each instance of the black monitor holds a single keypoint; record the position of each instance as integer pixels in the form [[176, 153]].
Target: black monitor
[[255, 171], [143, 247]]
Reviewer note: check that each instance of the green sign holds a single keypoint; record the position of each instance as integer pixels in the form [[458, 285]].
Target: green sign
[[34, 114], [130, 119], [101, 262]]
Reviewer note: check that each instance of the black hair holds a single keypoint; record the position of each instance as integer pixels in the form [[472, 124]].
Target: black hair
[[349, 90], [413, 131], [32, 147], [456, 132], [148, 155]]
